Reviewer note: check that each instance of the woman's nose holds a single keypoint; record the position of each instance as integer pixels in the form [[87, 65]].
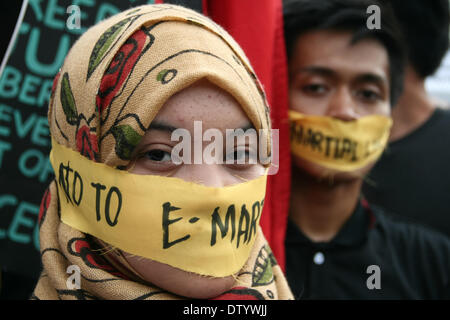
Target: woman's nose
[[342, 106], [210, 175]]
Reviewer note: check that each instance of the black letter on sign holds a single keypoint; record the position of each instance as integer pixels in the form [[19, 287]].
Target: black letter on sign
[[215, 220], [165, 225], [99, 187], [75, 178], [108, 203]]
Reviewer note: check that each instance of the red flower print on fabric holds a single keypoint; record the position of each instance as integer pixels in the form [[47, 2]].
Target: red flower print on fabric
[[119, 69], [87, 143]]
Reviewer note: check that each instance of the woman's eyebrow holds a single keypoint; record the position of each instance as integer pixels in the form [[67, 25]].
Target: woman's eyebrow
[[161, 126]]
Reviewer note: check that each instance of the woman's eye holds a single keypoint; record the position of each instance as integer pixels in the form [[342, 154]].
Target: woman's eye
[[158, 155], [153, 159], [242, 156]]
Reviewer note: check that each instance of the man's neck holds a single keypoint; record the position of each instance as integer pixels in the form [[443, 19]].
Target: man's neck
[[321, 207], [414, 107]]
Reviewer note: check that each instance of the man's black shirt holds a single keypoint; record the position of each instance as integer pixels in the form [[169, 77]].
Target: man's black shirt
[[412, 178], [373, 256]]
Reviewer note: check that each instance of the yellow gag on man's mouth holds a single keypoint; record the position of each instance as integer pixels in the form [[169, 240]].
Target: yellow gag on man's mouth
[[337, 144]]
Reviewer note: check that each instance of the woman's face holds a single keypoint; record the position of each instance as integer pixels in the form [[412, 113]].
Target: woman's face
[[216, 109]]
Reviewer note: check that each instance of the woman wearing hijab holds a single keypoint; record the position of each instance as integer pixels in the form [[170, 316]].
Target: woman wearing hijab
[[132, 223]]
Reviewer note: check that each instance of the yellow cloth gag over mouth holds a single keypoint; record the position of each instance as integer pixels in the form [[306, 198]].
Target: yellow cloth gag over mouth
[[336, 144], [205, 230]]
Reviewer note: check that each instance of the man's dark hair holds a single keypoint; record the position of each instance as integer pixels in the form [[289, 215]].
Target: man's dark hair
[[425, 26], [301, 16]]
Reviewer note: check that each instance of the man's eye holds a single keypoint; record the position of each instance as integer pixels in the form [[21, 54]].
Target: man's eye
[[369, 95], [314, 88], [158, 155]]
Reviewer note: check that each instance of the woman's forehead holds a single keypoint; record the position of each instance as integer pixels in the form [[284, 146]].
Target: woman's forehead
[[204, 102]]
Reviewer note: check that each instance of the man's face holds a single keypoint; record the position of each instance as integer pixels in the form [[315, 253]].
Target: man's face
[[329, 76]]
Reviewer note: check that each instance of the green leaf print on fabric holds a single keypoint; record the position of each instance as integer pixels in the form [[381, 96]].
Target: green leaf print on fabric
[[68, 101], [126, 140], [262, 272], [103, 44]]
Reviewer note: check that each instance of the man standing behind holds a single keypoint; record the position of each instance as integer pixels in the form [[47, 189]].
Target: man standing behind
[[412, 178], [343, 80]]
